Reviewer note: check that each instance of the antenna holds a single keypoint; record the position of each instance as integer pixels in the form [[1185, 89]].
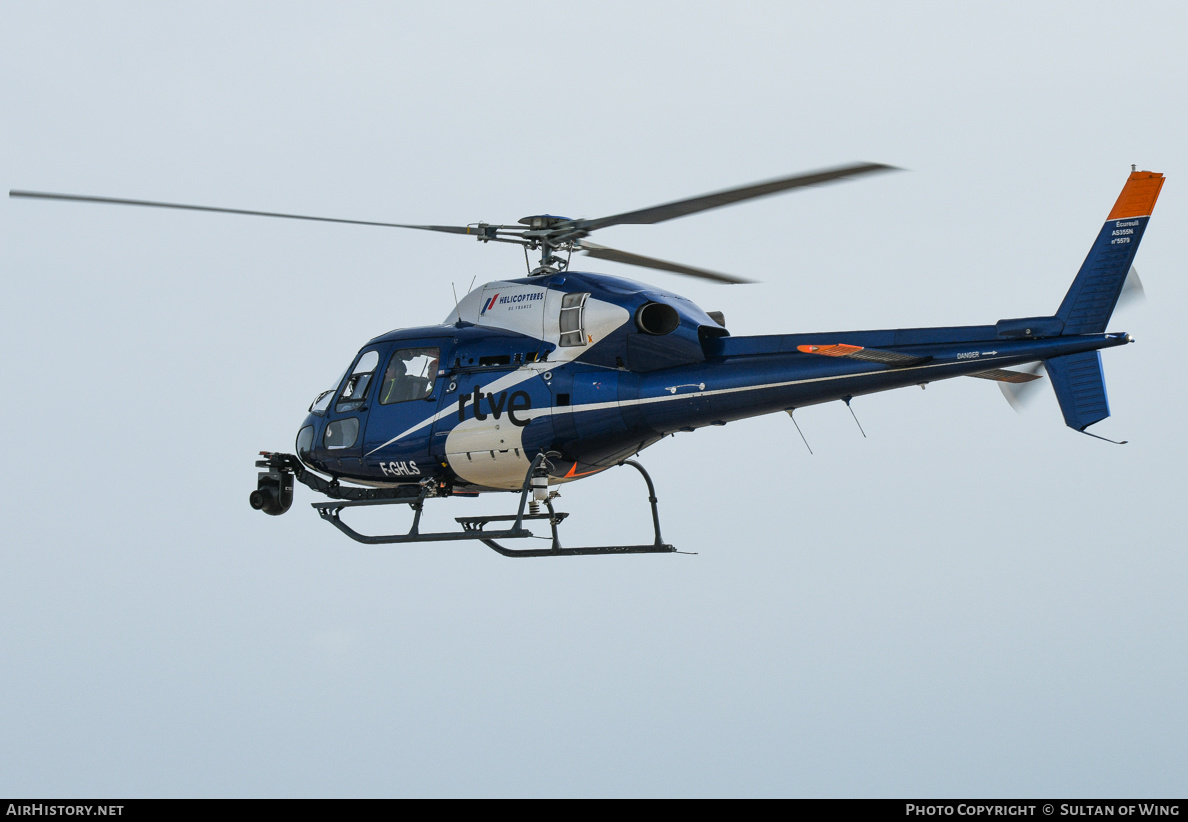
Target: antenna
[[457, 305], [798, 431], [852, 414]]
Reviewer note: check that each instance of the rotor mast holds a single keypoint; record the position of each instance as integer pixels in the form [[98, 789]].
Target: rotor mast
[[552, 236]]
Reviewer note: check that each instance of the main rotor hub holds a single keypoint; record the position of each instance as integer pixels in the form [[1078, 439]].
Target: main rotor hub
[[536, 222], [550, 234]]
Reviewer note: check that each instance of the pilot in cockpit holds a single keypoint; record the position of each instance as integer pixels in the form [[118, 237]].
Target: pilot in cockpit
[[395, 382], [401, 385]]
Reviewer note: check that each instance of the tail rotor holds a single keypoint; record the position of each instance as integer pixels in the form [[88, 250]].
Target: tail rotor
[[1132, 292], [1021, 395]]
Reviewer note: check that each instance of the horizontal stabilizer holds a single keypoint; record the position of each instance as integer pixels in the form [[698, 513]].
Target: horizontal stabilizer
[[1080, 388], [857, 352], [1005, 375]]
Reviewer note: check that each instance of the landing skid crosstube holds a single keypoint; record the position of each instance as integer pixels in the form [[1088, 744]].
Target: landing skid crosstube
[[473, 528]]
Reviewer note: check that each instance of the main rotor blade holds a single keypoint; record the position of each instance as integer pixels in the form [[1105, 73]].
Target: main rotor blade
[[79, 198], [680, 208], [626, 257]]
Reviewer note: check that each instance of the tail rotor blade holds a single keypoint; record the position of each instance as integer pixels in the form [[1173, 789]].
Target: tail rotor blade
[[1132, 290], [1021, 395]]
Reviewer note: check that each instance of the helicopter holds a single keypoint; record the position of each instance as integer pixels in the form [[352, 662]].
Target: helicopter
[[534, 382]]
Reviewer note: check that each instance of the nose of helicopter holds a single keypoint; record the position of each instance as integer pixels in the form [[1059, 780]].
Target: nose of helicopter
[[306, 437]]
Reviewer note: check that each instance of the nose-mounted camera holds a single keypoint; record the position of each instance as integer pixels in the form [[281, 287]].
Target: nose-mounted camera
[[274, 487]]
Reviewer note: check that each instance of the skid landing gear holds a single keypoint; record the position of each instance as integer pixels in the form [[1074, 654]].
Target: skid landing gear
[[475, 528]]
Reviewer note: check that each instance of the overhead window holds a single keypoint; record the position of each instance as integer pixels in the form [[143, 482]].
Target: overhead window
[[573, 331], [409, 375], [354, 391]]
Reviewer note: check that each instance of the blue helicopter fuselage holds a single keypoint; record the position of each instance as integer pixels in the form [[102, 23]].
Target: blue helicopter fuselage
[[592, 369], [596, 368]]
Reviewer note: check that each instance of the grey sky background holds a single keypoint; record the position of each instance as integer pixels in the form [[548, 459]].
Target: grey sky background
[[969, 602]]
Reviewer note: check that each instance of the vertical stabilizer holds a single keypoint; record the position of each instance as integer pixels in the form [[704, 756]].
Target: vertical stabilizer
[[1080, 388], [1094, 293]]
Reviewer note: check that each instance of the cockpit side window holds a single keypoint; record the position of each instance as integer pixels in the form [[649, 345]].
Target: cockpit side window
[[354, 391], [409, 375], [573, 331]]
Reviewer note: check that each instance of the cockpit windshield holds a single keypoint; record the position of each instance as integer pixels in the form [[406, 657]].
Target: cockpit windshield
[[354, 390], [322, 401]]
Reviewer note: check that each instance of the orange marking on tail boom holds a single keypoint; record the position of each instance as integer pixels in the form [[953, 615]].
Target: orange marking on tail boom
[[839, 350], [1138, 195]]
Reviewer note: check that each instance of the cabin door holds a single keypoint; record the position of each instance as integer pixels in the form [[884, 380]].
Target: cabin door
[[404, 407]]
